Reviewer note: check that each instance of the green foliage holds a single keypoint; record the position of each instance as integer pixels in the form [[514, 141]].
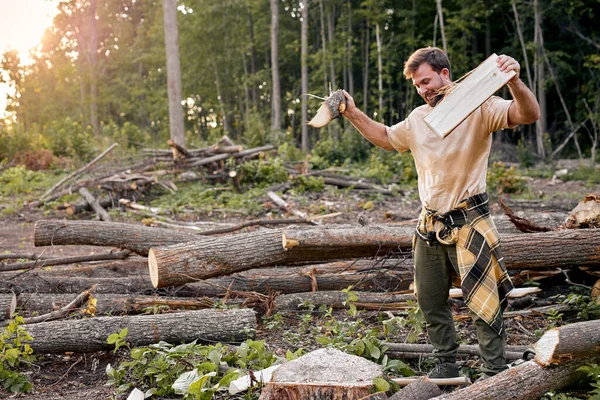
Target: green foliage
[[118, 339], [593, 373], [208, 199], [588, 308], [14, 352], [261, 172], [19, 180], [310, 184], [413, 320], [190, 370], [525, 153], [69, 138], [387, 167], [502, 180], [588, 174]]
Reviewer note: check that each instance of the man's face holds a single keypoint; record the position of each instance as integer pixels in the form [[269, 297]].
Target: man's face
[[428, 83]]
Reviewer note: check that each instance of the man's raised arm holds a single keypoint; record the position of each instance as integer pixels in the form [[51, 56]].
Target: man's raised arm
[[374, 132]]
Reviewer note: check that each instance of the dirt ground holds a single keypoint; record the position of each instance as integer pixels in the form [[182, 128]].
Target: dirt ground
[[82, 376]]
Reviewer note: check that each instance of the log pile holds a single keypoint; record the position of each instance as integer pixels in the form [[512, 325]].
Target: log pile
[[262, 268]]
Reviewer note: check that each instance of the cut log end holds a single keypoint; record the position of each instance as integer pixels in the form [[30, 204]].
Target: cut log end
[[8, 304], [288, 243], [153, 267], [322, 117], [545, 348]]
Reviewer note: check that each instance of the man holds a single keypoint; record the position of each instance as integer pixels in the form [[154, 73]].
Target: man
[[455, 236]]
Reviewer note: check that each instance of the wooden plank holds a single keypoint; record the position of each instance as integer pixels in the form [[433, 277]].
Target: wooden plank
[[467, 96]]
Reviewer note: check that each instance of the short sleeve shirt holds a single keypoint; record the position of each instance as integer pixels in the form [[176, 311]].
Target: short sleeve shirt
[[454, 168]]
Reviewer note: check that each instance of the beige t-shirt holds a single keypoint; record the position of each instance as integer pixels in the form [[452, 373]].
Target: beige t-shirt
[[453, 168]]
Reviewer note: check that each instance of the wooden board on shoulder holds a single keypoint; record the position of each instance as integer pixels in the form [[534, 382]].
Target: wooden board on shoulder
[[468, 95]]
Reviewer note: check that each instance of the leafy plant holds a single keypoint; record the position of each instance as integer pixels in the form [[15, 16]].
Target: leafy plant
[[14, 351], [504, 180], [192, 370]]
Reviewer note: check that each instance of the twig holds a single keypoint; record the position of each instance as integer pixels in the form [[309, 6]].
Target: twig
[[79, 171]]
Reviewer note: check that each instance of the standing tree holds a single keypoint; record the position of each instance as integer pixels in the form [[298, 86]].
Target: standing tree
[[173, 72], [304, 73], [276, 89]]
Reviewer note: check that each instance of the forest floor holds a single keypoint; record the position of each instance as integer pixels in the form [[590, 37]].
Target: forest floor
[[82, 376]]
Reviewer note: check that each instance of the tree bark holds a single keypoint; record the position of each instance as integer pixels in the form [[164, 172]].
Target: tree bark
[[527, 381], [136, 238], [87, 335], [173, 72], [379, 72], [338, 299], [33, 283], [178, 264], [442, 30], [93, 60], [574, 341], [108, 303], [421, 389], [275, 82], [540, 124]]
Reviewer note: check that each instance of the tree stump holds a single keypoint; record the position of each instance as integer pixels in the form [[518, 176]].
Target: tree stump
[[323, 374]]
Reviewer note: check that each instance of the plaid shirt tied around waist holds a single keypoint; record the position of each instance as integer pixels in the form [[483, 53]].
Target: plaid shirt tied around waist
[[485, 283]]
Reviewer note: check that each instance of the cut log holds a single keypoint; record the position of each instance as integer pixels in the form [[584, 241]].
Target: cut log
[[91, 200], [219, 157], [470, 93], [62, 312], [463, 349], [39, 283], [555, 249], [90, 334], [323, 374], [331, 108], [109, 303], [186, 262], [421, 388], [82, 205], [8, 304], [573, 341], [62, 261], [526, 381], [337, 299], [586, 214], [124, 236]]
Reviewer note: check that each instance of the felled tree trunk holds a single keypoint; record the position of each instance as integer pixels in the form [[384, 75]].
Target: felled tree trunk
[[185, 262], [578, 340], [90, 334], [337, 299], [527, 381], [34, 283], [421, 389], [109, 303], [554, 249], [124, 236]]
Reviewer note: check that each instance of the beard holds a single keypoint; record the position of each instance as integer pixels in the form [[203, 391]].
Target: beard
[[434, 98]]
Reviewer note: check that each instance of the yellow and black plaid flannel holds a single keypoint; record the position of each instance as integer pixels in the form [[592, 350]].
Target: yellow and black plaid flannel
[[483, 278]]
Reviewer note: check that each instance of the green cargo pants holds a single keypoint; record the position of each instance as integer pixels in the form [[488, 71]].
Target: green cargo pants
[[433, 277]]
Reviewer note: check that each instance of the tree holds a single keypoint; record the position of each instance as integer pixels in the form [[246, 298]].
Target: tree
[[173, 72], [276, 89]]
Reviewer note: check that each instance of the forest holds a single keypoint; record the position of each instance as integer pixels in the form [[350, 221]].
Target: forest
[[100, 72]]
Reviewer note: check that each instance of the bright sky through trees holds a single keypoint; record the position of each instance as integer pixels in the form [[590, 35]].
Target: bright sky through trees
[[22, 24]]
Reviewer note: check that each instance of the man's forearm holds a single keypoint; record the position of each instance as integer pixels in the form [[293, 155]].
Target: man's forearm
[[527, 107], [374, 132]]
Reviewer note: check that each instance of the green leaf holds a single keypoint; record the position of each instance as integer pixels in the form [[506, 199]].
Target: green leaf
[[381, 385], [112, 338], [182, 384]]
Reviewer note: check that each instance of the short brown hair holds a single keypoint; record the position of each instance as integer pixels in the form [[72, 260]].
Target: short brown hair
[[433, 56]]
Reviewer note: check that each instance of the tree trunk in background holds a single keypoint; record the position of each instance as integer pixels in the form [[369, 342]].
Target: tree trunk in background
[[540, 124], [330, 33], [366, 70], [304, 73], [488, 33], [349, 52], [93, 52], [324, 43], [441, 17], [252, 60], [379, 72], [173, 72], [276, 89], [226, 129]]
